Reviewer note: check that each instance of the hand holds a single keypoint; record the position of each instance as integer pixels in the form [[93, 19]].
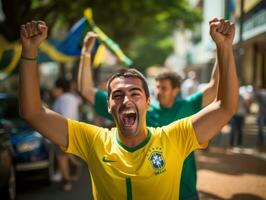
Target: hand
[[32, 34], [88, 42], [222, 31]]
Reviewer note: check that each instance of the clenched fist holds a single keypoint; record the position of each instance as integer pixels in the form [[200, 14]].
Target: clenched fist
[[32, 34], [222, 31], [88, 42]]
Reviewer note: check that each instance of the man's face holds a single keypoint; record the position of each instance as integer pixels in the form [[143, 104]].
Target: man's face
[[128, 105], [165, 93]]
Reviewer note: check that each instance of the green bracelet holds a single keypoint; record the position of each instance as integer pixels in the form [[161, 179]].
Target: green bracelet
[[28, 58]]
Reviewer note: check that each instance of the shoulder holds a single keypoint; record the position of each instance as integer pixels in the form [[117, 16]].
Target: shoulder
[[89, 130], [197, 96], [179, 125], [101, 93]]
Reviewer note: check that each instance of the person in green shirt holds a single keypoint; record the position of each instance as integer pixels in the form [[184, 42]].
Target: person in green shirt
[[167, 108]]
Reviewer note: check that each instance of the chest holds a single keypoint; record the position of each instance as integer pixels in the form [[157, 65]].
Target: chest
[[152, 160], [158, 117], [140, 172]]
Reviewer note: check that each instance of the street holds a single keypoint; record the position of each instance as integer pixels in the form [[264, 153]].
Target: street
[[41, 190], [237, 173], [225, 174]]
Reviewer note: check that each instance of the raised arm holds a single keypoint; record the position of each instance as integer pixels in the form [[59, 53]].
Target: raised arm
[[85, 79], [48, 123], [210, 91], [212, 118]]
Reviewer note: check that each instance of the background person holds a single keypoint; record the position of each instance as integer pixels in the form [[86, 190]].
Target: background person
[[67, 104]]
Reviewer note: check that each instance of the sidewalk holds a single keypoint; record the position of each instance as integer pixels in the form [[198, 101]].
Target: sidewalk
[[233, 173]]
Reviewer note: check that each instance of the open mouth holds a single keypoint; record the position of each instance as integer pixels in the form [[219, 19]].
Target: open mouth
[[128, 117]]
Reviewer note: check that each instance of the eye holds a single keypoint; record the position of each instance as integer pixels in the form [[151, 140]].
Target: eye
[[135, 94], [117, 96]]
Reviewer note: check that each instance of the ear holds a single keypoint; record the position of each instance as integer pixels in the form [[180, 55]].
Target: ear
[[148, 104], [109, 109], [176, 91]]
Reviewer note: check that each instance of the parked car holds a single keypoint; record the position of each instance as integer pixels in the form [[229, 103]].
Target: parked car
[[7, 167], [32, 151]]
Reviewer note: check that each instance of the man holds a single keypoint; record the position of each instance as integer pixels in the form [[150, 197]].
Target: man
[[130, 161], [261, 97], [168, 109], [190, 84], [67, 104]]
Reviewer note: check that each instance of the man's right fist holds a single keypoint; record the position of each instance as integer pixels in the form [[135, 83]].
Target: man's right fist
[[222, 31], [88, 42], [33, 33]]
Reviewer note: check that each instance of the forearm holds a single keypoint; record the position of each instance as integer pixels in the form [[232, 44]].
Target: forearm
[[29, 90], [215, 76], [228, 83], [210, 91], [85, 80], [31, 108], [211, 119]]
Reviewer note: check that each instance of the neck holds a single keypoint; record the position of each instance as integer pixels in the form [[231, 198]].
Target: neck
[[169, 104], [133, 141]]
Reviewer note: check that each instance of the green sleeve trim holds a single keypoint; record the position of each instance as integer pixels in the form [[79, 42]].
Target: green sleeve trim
[[129, 189], [129, 149], [101, 106]]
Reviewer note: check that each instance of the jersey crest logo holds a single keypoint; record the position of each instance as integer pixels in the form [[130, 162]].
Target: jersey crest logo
[[157, 160]]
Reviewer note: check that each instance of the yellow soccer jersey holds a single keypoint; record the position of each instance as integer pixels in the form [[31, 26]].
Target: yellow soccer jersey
[[151, 170]]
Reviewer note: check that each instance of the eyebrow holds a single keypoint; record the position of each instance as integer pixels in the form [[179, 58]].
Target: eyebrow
[[130, 90], [135, 88], [116, 91]]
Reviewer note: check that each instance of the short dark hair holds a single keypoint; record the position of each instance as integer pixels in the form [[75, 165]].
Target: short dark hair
[[173, 77], [64, 84], [126, 73]]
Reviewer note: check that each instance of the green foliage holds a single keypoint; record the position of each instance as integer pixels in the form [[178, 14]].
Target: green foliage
[[142, 28]]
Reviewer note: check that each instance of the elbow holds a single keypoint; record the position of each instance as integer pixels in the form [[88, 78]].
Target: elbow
[[27, 116], [231, 110], [83, 91], [235, 109], [228, 110], [88, 94]]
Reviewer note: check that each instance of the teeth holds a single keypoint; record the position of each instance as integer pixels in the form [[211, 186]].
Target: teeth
[[131, 111]]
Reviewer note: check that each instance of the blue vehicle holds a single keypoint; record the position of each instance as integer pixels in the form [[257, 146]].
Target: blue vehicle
[[32, 151]]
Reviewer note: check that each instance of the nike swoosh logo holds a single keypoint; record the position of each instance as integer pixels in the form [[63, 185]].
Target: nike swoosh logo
[[107, 161]]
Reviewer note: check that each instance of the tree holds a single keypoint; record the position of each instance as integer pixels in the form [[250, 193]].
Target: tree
[[140, 27]]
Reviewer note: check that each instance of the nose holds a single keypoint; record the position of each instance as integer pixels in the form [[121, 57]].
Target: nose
[[158, 91], [126, 99]]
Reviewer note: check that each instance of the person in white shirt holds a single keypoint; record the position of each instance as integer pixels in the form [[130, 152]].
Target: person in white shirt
[[67, 104]]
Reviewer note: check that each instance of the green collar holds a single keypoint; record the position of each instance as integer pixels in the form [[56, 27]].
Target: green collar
[[129, 149]]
